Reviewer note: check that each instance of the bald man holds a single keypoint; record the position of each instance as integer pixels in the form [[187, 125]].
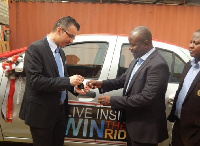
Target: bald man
[[143, 100]]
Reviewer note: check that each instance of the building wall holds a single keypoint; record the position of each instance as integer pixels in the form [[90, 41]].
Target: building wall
[[30, 21], [4, 13], [5, 1]]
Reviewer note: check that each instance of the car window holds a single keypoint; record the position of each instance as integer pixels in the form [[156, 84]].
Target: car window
[[86, 59], [175, 63], [124, 60]]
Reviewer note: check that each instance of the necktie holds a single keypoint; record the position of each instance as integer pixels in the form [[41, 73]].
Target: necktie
[[59, 65], [135, 68]]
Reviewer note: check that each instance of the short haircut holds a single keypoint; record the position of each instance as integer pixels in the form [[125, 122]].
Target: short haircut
[[198, 31], [66, 22], [143, 32]]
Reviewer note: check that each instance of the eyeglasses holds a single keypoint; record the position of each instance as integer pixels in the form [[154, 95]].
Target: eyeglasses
[[70, 35]]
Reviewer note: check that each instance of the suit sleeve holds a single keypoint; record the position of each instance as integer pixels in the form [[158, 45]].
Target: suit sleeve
[[39, 72], [113, 84], [117, 83], [149, 89]]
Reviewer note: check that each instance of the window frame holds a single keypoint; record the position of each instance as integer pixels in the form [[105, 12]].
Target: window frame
[[174, 55], [89, 42]]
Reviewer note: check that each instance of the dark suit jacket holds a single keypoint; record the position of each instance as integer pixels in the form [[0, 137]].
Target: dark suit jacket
[[144, 102], [40, 104], [190, 113]]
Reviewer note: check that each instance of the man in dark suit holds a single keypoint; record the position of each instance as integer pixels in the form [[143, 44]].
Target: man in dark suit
[[44, 106], [186, 107], [143, 99]]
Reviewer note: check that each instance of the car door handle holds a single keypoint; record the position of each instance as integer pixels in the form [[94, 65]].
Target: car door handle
[[90, 94], [170, 100]]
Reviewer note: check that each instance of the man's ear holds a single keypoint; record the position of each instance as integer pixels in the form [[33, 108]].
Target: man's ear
[[59, 30], [146, 42]]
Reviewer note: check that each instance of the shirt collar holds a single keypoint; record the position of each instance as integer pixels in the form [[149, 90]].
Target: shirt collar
[[195, 65], [144, 57], [52, 45]]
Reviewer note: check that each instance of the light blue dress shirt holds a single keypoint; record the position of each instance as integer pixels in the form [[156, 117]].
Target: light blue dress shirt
[[138, 64], [189, 78], [53, 47]]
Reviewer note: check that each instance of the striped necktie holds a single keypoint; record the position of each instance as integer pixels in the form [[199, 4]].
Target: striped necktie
[[59, 65]]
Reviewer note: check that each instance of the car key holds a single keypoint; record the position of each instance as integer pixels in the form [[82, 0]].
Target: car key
[[81, 87]]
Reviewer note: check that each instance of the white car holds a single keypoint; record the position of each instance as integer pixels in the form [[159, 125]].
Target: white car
[[96, 57]]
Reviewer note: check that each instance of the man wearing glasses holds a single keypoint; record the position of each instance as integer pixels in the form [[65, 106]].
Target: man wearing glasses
[[44, 106], [70, 35]]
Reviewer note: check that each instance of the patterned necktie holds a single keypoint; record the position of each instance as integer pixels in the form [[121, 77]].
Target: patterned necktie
[[59, 64]]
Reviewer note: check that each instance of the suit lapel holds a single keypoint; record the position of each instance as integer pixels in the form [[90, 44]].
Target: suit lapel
[[129, 73], [194, 83], [62, 54], [50, 54], [184, 73], [152, 55]]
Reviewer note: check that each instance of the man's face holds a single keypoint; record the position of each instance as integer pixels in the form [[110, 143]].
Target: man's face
[[194, 47], [66, 37], [136, 46]]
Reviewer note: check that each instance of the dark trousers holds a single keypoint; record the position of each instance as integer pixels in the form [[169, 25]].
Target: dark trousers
[[176, 137], [131, 142], [52, 136]]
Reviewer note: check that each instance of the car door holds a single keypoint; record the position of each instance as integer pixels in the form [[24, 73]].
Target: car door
[[89, 122]]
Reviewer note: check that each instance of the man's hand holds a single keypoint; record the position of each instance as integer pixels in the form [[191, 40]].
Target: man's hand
[[105, 100], [83, 91], [76, 80], [94, 84]]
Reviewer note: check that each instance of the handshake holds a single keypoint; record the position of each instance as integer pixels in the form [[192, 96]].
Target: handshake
[[80, 88]]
